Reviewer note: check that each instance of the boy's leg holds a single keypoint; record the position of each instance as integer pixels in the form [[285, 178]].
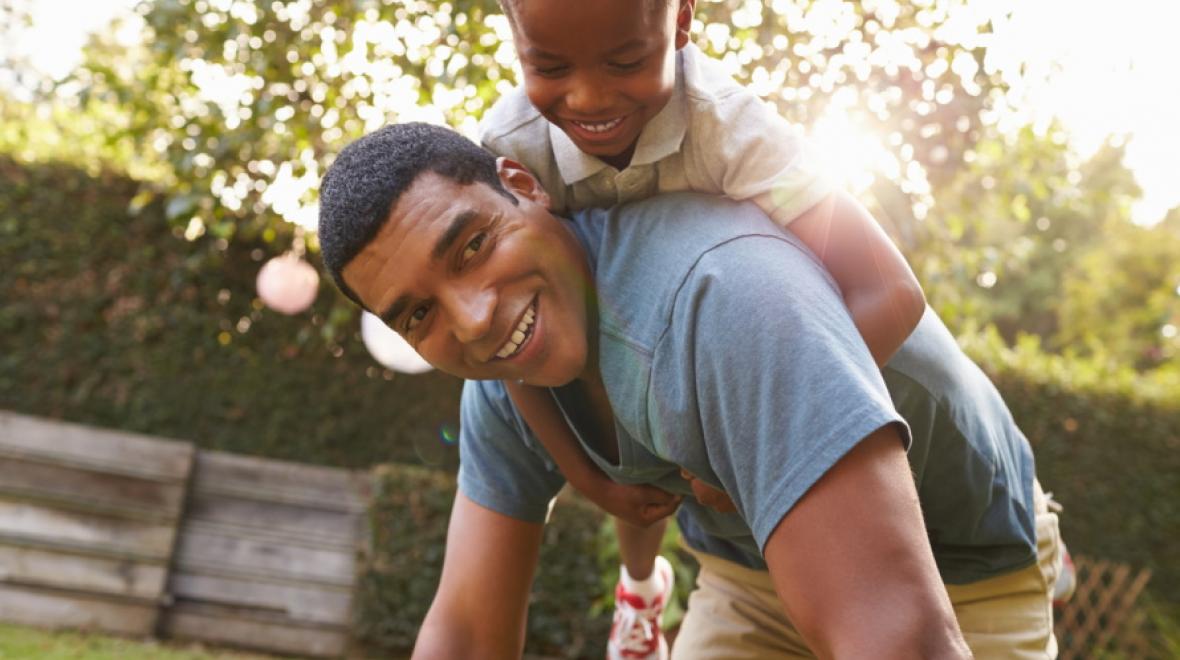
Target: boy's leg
[[645, 584], [638, 546], [1011, 616]]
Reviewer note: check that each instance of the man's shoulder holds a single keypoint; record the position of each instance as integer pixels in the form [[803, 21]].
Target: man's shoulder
[[486, 397], [511, 120], [686, 222]]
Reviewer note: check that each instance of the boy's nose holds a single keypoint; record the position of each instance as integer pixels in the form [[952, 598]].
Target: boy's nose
[[587, 96]]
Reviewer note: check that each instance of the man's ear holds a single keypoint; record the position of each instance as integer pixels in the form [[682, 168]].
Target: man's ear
[[520, 182], [684, 22]]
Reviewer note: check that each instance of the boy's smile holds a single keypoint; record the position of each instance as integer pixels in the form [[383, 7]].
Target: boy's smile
[[600, 69], [480, 287]]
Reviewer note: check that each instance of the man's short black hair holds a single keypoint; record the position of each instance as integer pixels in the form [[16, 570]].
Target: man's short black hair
[[363, 185]]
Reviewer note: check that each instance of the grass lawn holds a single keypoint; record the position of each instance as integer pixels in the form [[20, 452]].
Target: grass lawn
[[21, 643]]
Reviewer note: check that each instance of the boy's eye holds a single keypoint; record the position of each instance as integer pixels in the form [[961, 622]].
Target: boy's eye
[[629, 65], [473, 246], [551, 71]]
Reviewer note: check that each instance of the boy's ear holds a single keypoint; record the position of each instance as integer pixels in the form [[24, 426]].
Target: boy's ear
[[520, 182], [684, 22]]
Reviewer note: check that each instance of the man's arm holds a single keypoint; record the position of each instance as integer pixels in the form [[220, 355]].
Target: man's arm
[[481, 605], [852, 565]]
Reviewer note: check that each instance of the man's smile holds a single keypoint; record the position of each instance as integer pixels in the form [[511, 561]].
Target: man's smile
[[521, 333]]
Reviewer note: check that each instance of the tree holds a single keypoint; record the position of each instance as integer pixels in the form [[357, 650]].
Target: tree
[[247, 100]]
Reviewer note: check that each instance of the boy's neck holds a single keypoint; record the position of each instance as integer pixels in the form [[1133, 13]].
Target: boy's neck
[[621, 160]]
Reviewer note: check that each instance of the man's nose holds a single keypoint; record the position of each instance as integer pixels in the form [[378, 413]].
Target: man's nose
[[587, 95], [472, 313]]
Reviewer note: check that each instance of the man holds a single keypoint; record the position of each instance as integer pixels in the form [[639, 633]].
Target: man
[[665, 336]]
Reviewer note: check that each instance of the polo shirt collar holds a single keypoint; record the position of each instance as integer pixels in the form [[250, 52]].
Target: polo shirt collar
[[661, 137]]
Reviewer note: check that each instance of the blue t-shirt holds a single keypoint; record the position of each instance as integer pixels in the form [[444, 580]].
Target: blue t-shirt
[[726, 349]]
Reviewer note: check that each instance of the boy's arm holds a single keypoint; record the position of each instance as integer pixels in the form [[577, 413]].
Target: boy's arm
[[867, 587], [481, 604], [749, 152], [639, 505], [877, 284]]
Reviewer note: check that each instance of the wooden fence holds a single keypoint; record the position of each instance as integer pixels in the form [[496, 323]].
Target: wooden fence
[[1102, 617], [140, 536], [88, 522]]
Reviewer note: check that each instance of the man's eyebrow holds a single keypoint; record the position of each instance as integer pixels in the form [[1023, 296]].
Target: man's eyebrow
[[458, 225], [395, 310]]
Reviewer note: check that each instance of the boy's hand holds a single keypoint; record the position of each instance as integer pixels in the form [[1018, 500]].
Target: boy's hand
[[637, 504], [708, 495]]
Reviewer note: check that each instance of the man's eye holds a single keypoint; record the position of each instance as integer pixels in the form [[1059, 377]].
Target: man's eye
[[473, 246], [416, 317]]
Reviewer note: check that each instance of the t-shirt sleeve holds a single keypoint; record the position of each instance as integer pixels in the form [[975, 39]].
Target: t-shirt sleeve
[[783, 384], [754, 154], [500, 467]]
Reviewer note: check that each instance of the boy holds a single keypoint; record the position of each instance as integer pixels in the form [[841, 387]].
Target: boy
[[617, 106]]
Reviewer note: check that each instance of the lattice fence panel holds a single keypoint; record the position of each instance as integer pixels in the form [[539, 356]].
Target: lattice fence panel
[[1101, 619]]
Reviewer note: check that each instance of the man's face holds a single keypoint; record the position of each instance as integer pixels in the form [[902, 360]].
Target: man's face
[[480, 287], [600, 69]]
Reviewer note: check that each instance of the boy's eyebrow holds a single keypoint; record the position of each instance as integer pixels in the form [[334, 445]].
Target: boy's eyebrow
[[458, 225], [538, 53]]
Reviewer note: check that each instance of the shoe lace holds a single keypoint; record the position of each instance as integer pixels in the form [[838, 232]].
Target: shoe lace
[[637, 627]]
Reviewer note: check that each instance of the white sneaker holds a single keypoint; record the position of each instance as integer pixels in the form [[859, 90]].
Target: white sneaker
[[635, 633]]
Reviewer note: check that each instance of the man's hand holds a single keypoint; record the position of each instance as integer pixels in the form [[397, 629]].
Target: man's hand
[[708, 495], [637, 504]]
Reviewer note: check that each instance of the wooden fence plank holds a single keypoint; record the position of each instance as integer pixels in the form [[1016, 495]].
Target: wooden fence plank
[[34, 606], [28, 521], [299, 601], [250, 630], [101, 450], [277, 518], [80, 489], [208, 548], [38, 566], [249, 477]]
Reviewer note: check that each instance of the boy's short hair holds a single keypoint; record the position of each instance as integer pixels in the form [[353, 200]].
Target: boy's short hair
[[364, 183], [507, 6]]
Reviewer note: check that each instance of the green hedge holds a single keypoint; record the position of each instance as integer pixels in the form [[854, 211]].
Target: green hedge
[[1107, 444], [408, 519], [108, 318]]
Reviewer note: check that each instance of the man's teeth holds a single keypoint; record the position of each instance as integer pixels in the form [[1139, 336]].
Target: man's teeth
[[518, 335], [599, 126]]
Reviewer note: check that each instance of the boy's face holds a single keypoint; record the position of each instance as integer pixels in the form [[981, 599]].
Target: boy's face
[[600, 69], [481, 288]]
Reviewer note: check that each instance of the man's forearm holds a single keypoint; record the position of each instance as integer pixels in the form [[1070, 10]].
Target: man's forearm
[[481, 605]]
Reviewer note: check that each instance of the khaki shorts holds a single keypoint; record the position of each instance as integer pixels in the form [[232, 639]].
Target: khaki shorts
[[734, 613]]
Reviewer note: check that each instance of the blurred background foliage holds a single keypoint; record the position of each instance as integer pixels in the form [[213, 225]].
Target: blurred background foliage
[[140, 194]]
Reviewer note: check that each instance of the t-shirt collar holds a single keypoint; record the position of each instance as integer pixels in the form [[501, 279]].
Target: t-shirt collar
[[661, 137]]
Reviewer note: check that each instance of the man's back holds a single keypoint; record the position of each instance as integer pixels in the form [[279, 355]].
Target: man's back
[[710, 366]]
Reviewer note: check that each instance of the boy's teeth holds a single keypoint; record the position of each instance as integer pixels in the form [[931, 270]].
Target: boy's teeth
[[599, 127]]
